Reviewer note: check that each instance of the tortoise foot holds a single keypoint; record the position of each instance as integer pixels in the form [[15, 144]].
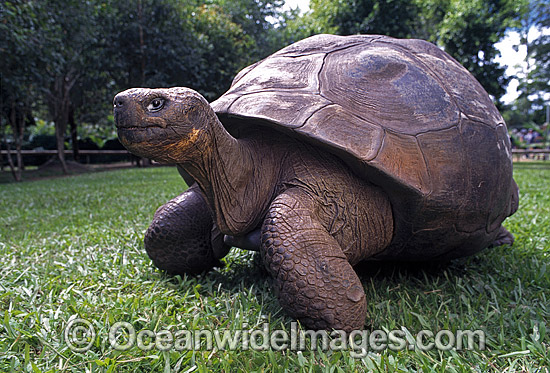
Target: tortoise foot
[[313, 279], [503, 238], [183, 238]]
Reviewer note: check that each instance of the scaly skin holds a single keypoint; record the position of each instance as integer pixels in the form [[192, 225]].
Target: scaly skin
[[325, 222], [182, 237], [317, 218], [400, 113], [313, 279]]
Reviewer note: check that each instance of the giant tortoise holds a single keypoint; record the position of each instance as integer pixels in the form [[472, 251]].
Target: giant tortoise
[[331, 151]]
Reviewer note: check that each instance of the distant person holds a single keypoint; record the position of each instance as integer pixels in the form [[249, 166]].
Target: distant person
[[529, 136]]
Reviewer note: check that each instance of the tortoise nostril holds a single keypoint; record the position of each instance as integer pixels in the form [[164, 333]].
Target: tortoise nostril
[[119, 101]]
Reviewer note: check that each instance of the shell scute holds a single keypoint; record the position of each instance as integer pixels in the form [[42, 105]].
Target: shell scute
[[404, 115]]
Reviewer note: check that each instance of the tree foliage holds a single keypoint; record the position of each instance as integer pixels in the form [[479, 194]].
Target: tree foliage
[[224, 47], [20, 68], [256, 19], [151, 43], [467, 29], [68, 58], [173, 43], [534, 86], [390, 17]]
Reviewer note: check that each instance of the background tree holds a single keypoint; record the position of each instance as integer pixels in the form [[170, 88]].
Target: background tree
[[71, 57], [467, 29], [169, 42], [71, 31], [20, 68], [258, 20], [390, 17], [224, 49], [534, 76], [151, 43]]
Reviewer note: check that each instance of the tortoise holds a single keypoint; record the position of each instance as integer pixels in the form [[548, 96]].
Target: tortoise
[[332, 151]]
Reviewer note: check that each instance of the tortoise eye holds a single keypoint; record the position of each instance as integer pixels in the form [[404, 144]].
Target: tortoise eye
[[155, 105]]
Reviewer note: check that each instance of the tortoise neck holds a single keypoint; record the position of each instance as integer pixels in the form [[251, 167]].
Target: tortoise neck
[[227, 171]]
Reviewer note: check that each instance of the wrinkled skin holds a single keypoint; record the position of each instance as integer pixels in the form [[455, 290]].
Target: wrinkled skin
[[332, 150], [313, 217]]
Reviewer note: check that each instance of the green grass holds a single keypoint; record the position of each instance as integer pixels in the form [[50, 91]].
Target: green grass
[[52, 169], [72, 247]]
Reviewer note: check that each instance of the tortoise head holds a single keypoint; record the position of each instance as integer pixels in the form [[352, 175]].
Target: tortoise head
[[161, 124]]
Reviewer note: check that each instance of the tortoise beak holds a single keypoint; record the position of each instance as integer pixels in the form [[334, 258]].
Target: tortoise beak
[[120, 100], [123, 112]]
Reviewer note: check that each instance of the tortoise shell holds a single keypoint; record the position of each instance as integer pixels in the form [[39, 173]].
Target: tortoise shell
[[405, 116]]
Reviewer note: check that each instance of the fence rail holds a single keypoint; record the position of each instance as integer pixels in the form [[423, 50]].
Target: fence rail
[[86, 156], [518, 153], [515, 152], [53, 152], [530, 151]]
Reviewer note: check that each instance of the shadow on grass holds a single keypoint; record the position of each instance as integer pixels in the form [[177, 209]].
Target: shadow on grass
[[397, 269], [243, 271], [413, 286]]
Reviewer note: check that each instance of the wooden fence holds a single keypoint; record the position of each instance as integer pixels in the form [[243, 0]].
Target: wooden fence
[[83, 154], [531, 153], [53, 152], [517, 153]]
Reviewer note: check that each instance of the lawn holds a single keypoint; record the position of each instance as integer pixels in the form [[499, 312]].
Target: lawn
[[72, 249]]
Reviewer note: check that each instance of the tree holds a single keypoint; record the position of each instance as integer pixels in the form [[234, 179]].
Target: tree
[[51, 58], [69, 58], [258, 20], [70, 30], [391, 17], [466, 29], [534, 86], [224, 49], [397, 18], [151, 43], [202, 46], [469, 31], [20, 67]]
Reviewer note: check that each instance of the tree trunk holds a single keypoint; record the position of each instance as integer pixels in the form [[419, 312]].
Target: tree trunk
[[19, 140], [60, 104], [17, 125], [60, 129], [16, 175], [141, 44], [19, 156], [15, 172], [74, 134]]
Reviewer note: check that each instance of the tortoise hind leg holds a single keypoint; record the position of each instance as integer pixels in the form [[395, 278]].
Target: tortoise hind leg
[[183, 237], [503, 238], [313, 279]]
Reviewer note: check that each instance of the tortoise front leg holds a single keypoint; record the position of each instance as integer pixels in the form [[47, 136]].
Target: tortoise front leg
[[503, 238], [183, 237], [313, 279]]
